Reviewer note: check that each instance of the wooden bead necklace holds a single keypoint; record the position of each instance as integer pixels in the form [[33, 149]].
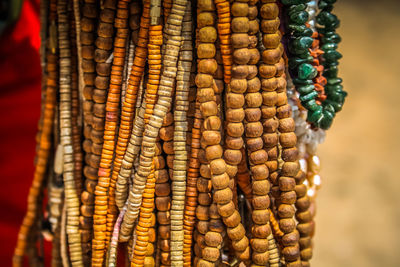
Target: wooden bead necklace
[[206, 164]]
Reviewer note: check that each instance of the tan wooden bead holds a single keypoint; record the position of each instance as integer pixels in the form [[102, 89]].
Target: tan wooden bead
[[240, 40], [240, 25], [206, 50], [207, 35], [261, 202], [241, 56], [290, 239], [239, 9]]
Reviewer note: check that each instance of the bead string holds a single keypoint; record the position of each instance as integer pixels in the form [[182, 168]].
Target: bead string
[[44, 146], [65, 112], [179, 139]]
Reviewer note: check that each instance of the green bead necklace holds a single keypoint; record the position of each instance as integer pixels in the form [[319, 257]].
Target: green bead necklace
[[300, 40]]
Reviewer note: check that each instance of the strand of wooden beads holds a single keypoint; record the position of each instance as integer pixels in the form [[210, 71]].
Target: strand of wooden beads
[[75, 112], [71, 196], [77, 21], [163, 104], [212, 239], [154, 52], [271, 55], [101, 224], [179, 140], [134, 25], [136, 136], [102, 57], [290, 168], [128, 106], [191, 188], [146, 220], [44, 144], [211, 135], [88, 24], [202, 210], [258, 157], [304, 217], [128, 100], [163, 206], [224, 35]]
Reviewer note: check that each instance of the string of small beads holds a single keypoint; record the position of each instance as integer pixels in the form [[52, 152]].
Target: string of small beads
[[127, 108], [101, 225], [136, 136], [163, 104], [88, 25], [44, 146], [145, 222], [179, 173], [65, 112]]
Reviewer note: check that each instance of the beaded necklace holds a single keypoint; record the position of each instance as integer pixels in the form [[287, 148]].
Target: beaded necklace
[[206, 164]]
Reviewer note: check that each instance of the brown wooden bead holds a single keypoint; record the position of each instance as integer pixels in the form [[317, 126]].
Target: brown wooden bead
[[242, 56], [240, 25], [290, 239], [240, 9]]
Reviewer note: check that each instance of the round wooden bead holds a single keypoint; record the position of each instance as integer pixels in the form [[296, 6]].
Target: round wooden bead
[[240, 71], [220, 181], [261, 258], [261, 231], [253, 115], [207, 35], [291, 253], [242, 56], [217, 166], [223, 196], [236, 233], [206, 50], [239, 9], [288, 197], [207, 66], [210, 254], [235, 129], [240, 25], [234, 142], [240, 40], [234, 101], [261, 202], [269, 11], [238, 85], [288, 139], [240, 245], [205, 19], [287, 225], [232, 220], [290, 239], [213, 239], [260, 217]]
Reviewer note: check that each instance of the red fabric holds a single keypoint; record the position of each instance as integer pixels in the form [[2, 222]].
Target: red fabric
[[20, 76]]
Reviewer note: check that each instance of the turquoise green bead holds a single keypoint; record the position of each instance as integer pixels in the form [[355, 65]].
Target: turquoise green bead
[[298, 81], [331, 71], [308, 96], [307, 71], [294, 62], [299, 17], [332, 56], [305, 89], [329, 46], [311, 105], [315, 116]]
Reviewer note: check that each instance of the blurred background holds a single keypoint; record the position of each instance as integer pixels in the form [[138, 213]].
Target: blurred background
[[358, 206]]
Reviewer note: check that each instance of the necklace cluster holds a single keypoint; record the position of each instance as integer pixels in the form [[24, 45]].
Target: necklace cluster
[[181, 132]]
